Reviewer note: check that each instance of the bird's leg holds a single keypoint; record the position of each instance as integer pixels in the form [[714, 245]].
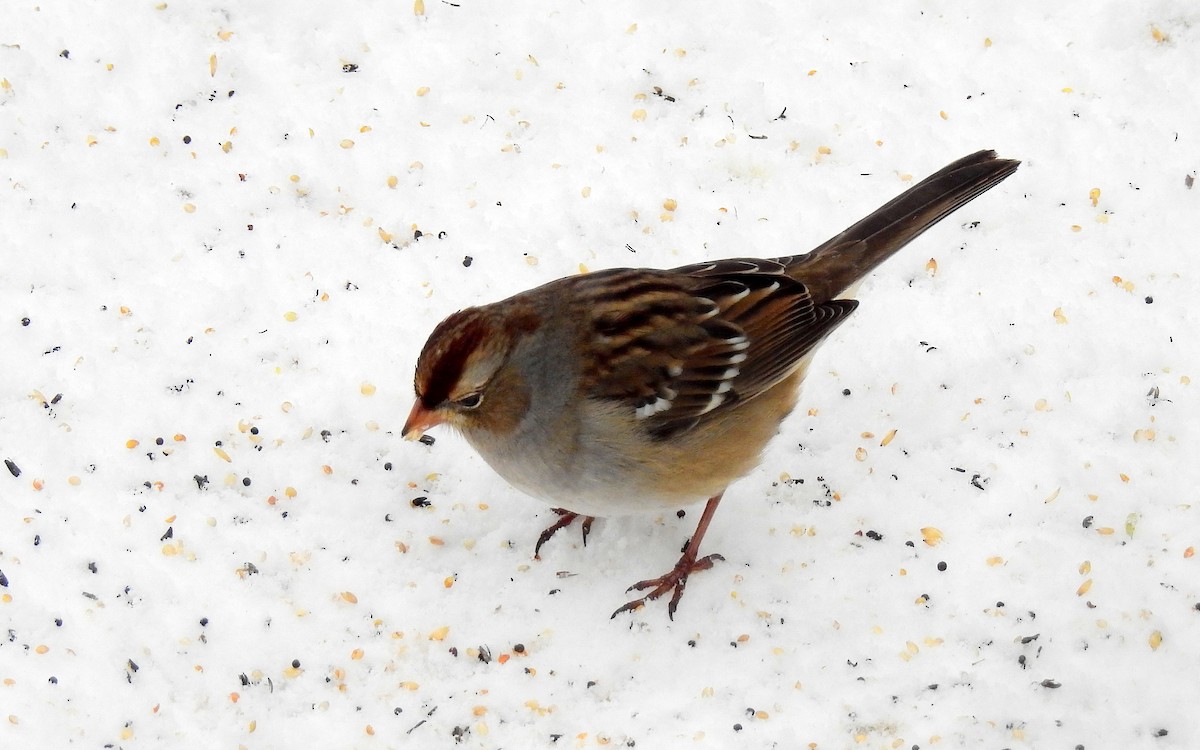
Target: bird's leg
[[566, 518], [676, 578]]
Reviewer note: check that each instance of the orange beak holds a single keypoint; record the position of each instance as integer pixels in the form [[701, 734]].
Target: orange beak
[[420, 419]]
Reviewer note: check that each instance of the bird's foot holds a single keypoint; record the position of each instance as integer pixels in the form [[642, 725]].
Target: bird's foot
[[566, 518], [675, 580]]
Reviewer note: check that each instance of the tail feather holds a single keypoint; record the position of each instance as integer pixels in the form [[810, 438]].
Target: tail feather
[[839, 262]]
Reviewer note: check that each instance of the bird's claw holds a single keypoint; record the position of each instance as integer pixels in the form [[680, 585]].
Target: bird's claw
[[566, 518], [674, 580]]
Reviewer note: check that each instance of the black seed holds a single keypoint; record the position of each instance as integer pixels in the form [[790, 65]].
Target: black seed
[[845, 391], [295, 663], [203, 622], [1087, 522], [3, 579], [942, 566], [467, 261], [387, 466], [1149, 300], [158, 441], [187, 139], [680, 513], [397, 711], [65, 54], [519, 648], [591, 683], [253, 430], [24, 321], [245, 481], [58, 622], [737, 727], [1049, 683], [426, 440], [421, 502], [12, 468], [92, 567], [53, 680]]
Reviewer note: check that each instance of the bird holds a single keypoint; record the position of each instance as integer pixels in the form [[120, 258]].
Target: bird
[[630, 390]]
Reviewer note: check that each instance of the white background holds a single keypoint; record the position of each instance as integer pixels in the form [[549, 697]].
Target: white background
[[208, 219]]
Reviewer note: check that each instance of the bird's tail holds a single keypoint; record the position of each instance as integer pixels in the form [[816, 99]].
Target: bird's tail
[[841, 261]]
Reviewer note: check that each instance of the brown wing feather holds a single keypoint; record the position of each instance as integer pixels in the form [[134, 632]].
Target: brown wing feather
[[680, 345]]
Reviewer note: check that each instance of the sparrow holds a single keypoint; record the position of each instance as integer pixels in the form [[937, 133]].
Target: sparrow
[[637, 389]]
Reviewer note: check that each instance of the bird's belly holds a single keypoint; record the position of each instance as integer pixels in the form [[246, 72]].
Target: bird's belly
[[593, 488]]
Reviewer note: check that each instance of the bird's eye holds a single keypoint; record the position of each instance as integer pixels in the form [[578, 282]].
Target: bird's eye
[[470, 401]]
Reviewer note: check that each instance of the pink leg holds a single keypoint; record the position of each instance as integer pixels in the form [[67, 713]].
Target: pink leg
[[676, 578], [566, 518]]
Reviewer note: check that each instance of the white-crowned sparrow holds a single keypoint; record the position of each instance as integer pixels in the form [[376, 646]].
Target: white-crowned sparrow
[[631, 390]]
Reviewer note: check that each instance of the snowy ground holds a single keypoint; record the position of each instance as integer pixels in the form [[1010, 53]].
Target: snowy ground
[[212, 294]]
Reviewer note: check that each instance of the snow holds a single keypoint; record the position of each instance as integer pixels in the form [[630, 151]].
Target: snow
[[210, 218]]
